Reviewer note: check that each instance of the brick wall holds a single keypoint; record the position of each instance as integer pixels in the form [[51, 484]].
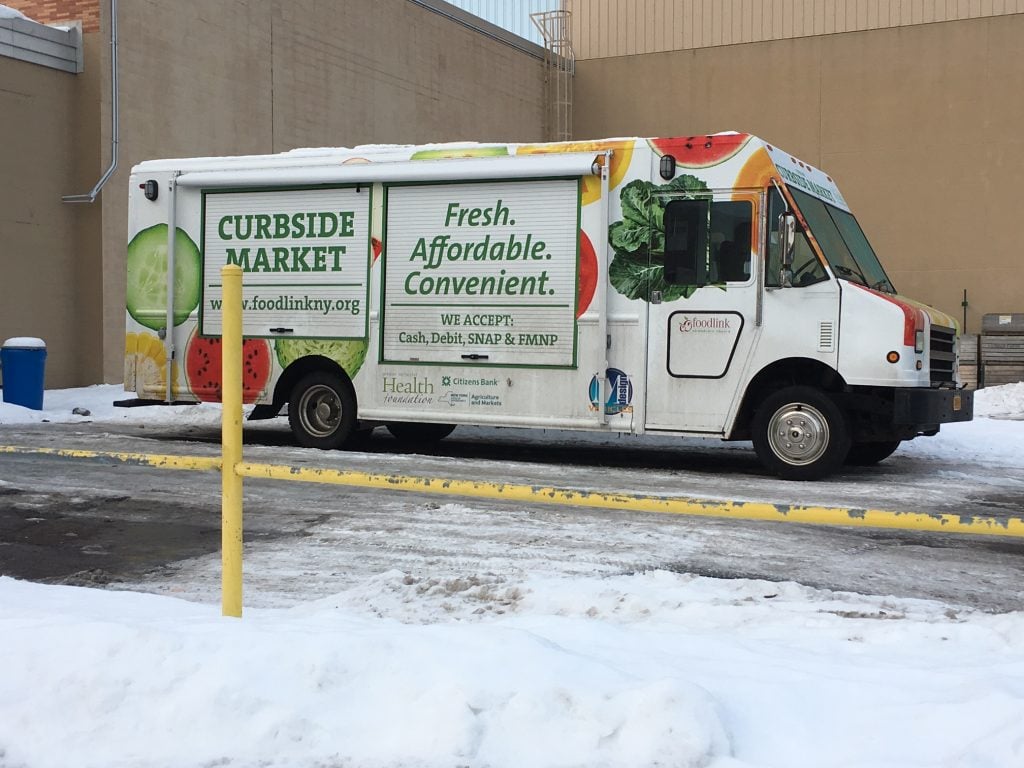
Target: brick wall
[[57, 11]]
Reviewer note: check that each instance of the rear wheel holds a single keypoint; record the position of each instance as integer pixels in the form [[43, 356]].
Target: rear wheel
[[799, 433], [420, 433], [322, 410], [866, 454]]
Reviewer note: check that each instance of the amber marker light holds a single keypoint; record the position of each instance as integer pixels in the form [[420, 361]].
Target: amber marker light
[[893, 357]]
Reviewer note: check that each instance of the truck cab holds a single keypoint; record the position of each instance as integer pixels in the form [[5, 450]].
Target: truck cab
[[791, 333]]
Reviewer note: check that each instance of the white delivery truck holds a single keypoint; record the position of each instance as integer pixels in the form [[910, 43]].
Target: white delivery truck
[[708, 286]]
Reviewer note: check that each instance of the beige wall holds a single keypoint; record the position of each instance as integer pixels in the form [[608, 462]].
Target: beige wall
[[216, 78], [202, 78], [603, 28], [919, 125], [389, 71], [43, 258]]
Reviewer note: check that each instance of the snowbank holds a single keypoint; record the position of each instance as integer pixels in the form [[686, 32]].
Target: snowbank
[[644, 670], [617, 671]]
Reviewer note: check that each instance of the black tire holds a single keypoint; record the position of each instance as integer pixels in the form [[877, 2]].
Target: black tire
[[868, 454], [322, 410], [417, 433], [800, 433]]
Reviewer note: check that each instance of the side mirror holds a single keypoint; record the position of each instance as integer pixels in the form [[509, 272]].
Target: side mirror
[[787, 241]]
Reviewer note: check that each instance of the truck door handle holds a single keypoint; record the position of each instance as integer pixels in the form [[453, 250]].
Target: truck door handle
[[282, 330], [474, 356], [655, 297]]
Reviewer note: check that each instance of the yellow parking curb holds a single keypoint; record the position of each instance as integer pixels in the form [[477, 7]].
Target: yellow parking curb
[[736, 510], [163, 461]]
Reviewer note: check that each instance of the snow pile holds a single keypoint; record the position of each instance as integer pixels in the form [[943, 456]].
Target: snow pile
[[60, 406], [643, 670], [1006, 401]]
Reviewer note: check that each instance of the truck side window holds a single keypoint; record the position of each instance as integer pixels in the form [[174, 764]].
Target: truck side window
[[707, 242], [807, 268], [731, 223], [686, 238]]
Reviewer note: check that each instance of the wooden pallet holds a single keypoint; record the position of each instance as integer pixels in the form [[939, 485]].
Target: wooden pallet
[[1000, 350], [969, 349], [1003, 374], [969, 375], [996, 324]]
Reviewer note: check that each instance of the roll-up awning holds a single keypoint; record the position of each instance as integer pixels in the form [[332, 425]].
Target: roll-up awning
[[477, 169]]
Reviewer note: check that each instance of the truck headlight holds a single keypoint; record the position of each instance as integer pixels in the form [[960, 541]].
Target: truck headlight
[[919, 341]]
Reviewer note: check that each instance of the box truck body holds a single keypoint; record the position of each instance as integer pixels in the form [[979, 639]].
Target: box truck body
[[703, 286]]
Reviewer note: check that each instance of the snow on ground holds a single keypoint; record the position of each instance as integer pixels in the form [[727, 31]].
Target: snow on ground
[[653, 669], [647, 669]]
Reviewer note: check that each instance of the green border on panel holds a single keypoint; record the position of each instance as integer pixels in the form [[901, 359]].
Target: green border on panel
[[289, 188]]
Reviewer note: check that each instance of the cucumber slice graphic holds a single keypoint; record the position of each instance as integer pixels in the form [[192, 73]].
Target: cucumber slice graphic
[[147, 277]]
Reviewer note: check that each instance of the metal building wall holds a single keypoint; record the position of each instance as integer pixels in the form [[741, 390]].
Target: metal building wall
[[919, 125], [604, 28], [513, 16]]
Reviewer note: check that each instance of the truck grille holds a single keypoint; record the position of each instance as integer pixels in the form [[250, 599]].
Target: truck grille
[[942, 353]]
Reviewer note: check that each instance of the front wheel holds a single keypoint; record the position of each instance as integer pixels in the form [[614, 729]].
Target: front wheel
[[321, 410], [800, 433]]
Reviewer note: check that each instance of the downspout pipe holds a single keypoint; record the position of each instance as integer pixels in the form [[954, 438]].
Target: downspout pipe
[[91, 196]]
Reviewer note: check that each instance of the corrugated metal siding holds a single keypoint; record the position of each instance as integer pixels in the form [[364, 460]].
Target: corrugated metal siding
[[603, 28], [513, 16], [47, 46]]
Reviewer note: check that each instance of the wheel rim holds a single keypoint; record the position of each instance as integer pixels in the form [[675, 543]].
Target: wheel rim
[[798, 434], [320, 410]]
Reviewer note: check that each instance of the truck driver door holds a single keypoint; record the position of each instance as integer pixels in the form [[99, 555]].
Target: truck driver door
[[700, 327]]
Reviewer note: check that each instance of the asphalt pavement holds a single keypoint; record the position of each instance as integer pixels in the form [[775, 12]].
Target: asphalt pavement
[[106, 523]]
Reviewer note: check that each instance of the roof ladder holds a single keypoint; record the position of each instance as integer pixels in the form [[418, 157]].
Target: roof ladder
[[559, 66]]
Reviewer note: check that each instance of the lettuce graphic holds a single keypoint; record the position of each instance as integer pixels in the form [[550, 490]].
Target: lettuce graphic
[[348, 354], [638, 266]]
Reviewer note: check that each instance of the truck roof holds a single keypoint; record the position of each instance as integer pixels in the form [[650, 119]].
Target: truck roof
[[456, 150], [479, 160]]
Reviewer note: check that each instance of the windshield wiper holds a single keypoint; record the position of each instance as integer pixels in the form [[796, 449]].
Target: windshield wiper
[[845, 271]]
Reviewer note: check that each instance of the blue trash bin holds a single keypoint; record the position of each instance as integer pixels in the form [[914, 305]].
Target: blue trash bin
[[23, 361]]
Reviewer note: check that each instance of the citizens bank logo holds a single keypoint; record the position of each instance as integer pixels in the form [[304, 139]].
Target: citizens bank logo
[[703, 324]]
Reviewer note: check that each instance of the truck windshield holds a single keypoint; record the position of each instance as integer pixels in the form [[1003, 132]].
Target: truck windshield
[[846, 248]]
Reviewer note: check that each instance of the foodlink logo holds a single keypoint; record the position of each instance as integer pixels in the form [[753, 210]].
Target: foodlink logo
[[704, 324]]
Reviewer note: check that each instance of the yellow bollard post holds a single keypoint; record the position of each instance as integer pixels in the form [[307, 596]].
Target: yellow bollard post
[[231, 442]]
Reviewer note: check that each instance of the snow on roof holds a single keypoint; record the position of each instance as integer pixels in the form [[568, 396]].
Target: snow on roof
[[378, 152], [6, 12]]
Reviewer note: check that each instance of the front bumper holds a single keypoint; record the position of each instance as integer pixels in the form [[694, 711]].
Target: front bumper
[[931, 407]]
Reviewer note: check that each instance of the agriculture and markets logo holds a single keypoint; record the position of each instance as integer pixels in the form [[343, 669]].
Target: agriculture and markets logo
[[620, 393]]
